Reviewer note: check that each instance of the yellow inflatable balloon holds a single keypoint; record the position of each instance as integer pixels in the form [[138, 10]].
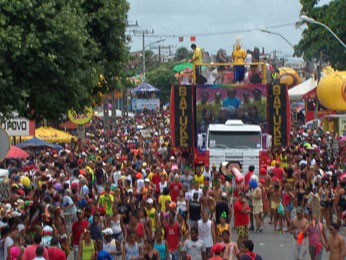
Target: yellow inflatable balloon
[[25, 181], [289, 76], [331, 91]]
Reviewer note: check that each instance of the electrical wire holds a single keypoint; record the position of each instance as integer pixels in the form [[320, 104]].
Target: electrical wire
[[214, 33]]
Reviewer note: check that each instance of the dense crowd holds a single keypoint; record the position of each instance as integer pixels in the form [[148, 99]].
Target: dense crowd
[[128, 194]]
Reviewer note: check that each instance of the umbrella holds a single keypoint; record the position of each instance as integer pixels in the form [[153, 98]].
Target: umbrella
[[145, 87], [68, 125], [182, 66], [35, 142], [16, 152]]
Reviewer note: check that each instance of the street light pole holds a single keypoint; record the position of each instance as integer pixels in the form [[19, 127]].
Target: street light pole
[[280, 35], [311, 20]]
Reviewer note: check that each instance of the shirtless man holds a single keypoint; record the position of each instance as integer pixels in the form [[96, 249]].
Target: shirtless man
[[336, 243], [61, 232], [204, 200], [300, 226]]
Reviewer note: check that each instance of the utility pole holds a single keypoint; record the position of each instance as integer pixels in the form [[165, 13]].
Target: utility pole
[[161, 49], [143, 33]]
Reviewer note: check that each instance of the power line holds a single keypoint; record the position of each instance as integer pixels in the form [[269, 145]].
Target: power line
[[217, 33]]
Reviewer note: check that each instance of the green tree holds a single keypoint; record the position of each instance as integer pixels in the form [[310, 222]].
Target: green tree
[[106, 24], [162, 78], [50, 61], [182, 53], [317, 40]]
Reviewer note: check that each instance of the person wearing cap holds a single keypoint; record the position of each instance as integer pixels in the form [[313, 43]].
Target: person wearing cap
[[194, 247], [151, 214], [218, 251], [109, 243], [299, 229], [47, 235]]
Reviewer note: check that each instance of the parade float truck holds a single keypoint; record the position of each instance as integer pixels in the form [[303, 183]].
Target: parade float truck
[[234, 142], [230, 122]]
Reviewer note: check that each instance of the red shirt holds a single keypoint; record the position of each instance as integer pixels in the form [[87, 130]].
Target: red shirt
[[156, 180], [175, 188], [278, 172], [30, 252], [56, 253], [240, 218], [247, 179], [77, 230], [172, 236]]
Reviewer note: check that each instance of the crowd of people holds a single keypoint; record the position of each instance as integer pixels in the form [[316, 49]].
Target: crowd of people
[[121, 194]]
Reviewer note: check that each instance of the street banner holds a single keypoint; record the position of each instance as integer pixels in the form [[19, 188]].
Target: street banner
[[181, 116], [149, 104], [279, 115]]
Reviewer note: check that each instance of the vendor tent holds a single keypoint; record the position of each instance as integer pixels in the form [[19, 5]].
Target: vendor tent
[[145, 87], [300, 90], [35, 142], [53, 135]]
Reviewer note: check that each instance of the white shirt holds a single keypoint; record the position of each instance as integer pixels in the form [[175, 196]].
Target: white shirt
[[205, 232], [8, 243], [116, 176]]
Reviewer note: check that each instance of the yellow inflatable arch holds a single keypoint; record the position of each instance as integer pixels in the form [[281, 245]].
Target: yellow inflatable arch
[[331, 91]]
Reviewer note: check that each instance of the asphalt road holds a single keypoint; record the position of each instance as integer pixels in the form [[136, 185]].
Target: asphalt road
[[271, 246]]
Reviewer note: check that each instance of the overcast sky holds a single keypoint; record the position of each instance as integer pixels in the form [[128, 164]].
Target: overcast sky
[[216, 23]]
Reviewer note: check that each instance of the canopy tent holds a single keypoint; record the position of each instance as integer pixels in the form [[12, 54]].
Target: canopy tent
[[300, 90], [68, 125], [35, 142], [145, 87], [53, 135], [16, 152]]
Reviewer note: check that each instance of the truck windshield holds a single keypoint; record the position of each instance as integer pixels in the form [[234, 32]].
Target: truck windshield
[[234, 140]]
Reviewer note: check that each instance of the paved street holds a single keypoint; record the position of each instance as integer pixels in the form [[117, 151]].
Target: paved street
[[271, 246]]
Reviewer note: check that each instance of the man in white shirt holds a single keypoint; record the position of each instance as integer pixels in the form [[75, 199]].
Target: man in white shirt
[[194, 247]]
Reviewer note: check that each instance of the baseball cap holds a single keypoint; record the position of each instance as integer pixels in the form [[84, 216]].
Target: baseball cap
[[150, 201], [217, 248], [146, 180], [224, 195], [172, 157], [47, 229], [107, 231]]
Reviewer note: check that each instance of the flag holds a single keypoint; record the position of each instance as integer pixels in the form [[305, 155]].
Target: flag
[[181, 39], [192, 38]]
